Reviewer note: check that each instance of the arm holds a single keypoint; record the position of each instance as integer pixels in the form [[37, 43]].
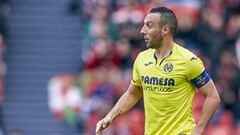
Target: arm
[[126, 102], [210, 105]]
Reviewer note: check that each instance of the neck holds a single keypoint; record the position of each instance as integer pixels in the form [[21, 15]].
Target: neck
[[165, 49]]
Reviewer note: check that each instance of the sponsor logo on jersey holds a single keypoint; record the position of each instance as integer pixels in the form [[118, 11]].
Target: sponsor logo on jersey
[[149, 63], [158, 84], [158, 81], [193, 58]]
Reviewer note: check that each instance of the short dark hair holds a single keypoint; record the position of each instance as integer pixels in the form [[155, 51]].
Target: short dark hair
[[167, 17]]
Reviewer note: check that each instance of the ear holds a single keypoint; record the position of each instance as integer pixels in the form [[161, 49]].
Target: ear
[[166, 30]]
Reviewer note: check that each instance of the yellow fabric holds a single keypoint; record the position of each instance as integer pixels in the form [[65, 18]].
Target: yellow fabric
[[167, 90]]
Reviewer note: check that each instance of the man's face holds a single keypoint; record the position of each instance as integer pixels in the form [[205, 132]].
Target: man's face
[[151, 30]]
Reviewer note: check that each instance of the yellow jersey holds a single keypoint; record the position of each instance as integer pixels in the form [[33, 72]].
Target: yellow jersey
[[168, 89]]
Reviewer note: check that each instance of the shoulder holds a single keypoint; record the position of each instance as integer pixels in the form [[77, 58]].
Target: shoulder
[[146, 53], [185, 54], [193, 65]]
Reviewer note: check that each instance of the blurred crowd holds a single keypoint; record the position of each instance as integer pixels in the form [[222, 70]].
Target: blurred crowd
[[111, 41]]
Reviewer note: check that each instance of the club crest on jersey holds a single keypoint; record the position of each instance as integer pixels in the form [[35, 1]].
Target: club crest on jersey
[[168, 67]]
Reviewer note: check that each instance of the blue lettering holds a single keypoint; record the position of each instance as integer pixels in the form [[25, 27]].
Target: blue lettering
[[146, 80], [171, 82], [153, 80], [158, 81], [165, 81]]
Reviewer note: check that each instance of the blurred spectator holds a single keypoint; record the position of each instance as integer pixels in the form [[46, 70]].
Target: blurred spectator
[[99, 93], [65, 98], [129, 18], [231, 16], [122, 56], [187, 15], [210, 35], [99, 54], [98, 26], [229, 78], [235, 88]]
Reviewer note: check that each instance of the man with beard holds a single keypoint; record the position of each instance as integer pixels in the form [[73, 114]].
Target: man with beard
[[166, 75]]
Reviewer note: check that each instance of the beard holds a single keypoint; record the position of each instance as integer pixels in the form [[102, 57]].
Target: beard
[[154, 39], [155, 43]]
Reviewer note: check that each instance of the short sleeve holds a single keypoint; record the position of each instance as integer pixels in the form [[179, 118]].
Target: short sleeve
[[136, 76], [194, 67], [196, 72]]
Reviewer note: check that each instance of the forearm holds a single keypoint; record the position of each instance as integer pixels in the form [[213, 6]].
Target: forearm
[[126, 102], [209, 107]]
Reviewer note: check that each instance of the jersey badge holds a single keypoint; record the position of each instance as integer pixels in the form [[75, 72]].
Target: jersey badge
[[168, 67]]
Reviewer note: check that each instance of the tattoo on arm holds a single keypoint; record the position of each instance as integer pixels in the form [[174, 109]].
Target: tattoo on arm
[[117, 113]]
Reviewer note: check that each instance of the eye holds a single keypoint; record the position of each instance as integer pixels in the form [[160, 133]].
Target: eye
[[149, 24]]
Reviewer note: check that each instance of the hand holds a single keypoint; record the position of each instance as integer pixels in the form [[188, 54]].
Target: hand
[[102, 124]]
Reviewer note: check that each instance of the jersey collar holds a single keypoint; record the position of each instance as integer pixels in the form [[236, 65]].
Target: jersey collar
[[170, 54]]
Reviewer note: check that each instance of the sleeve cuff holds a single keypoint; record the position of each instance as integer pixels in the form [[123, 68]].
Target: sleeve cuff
[[134, 83]]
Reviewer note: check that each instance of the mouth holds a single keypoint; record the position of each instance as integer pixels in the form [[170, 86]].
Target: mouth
[[146, 39]]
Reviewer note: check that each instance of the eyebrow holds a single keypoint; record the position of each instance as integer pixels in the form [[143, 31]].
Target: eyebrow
[[148, 21]]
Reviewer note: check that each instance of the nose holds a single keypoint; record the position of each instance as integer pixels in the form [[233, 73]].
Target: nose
[[143, 31]]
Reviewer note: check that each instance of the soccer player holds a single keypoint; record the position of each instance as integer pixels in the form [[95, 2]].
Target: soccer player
[[166, 75]]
